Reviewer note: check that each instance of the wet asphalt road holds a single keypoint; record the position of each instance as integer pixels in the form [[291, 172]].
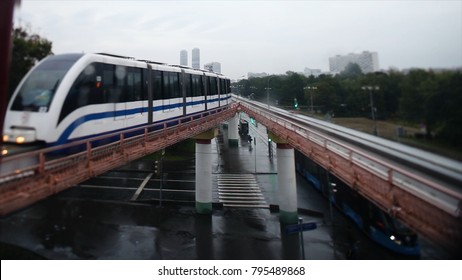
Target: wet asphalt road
[[102, 218]]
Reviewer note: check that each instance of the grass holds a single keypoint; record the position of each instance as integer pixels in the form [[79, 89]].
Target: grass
[[385, 129], [388, 130]]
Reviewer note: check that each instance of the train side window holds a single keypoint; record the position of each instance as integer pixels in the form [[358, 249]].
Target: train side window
[[213, 86], [175, 85], [144, 81], [134, 85], [222, 86], [157, 84], [86, 90], [171, 85], [228, 86], [206, 85], [166, 85], [108, 82], [187, 84], [96, 89], [120, 84], [130, 86], [196, 86], [141, 86]]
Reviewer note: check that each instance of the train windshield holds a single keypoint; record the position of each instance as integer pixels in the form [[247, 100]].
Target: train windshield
[[37, 92]]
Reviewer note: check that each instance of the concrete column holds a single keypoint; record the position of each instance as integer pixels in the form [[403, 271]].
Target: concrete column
[[233, 137], [203, 176], [204, 171], [287, 188]]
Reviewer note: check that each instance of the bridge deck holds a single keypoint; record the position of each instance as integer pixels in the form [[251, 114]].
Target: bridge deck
[[426, 202]]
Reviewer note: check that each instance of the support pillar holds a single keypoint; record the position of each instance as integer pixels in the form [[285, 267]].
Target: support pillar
[[233, 137], [204, 171], [287, 186]]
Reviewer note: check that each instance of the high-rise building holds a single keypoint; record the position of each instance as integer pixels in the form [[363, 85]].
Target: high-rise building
[[367, 61], [196, 58], [257, 75], [184, 57], [213, 66], [312, 72]]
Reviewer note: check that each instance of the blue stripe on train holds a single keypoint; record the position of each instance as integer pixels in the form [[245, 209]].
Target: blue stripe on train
[[103, 115]]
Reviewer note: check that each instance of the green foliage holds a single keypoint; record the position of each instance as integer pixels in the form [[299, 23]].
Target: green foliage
[[352, 70], [421, 97], [28, 49]]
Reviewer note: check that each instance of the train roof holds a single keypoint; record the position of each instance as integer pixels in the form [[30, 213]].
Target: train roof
[[162, 65]]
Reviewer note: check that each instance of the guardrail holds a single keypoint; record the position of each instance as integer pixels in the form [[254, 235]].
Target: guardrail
[[28, 177], [428, 206]]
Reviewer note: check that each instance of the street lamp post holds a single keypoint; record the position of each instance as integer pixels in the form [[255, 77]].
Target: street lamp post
[[267, 96], [267, 91], [370, 89], [311, 89]]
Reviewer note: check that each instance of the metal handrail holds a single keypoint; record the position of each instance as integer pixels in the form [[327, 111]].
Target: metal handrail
[[146, 131]]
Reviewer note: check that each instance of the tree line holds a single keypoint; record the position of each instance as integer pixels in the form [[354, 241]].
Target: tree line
[[28, 49], [420, 97]]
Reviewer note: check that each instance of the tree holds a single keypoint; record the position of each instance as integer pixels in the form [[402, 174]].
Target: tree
[[293, 88], [448, 115], [28, 49], [352, 70]]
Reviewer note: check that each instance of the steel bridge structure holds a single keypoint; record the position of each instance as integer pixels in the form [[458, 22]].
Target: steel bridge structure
[[422, 190]]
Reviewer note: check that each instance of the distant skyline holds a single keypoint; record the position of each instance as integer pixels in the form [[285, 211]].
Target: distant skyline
[[255, 36]]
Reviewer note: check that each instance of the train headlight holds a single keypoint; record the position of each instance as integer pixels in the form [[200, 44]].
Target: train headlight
[[6, 138], [396, 240], [20, 139]]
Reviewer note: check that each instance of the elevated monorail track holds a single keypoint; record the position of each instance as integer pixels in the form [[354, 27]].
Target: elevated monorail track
[[28, 177], [421, 189]]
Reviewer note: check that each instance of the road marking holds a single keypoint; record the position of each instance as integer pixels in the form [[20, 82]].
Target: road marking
[[141, 187], [240, 190]]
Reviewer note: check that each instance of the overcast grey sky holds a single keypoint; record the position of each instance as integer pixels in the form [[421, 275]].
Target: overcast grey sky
[[254, 36]]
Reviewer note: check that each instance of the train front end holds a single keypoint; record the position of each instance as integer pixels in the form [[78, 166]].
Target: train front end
[[32, 114]]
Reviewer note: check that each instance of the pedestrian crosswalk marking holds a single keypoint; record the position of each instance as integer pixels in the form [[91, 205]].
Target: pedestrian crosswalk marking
[[240, 190]]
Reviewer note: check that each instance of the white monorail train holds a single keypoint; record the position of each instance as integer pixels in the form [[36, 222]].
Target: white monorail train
[[70, 97]]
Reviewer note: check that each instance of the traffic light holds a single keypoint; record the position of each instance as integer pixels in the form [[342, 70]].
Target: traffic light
[[295, 103], [157, 167], [252, 120]]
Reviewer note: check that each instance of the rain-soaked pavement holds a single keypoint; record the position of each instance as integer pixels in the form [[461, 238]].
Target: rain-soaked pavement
[[111, 217]]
